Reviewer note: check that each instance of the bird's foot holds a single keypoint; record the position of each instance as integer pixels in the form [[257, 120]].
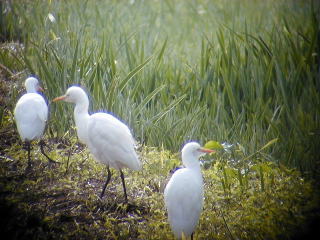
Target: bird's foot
[[42, 144], [52, 161]]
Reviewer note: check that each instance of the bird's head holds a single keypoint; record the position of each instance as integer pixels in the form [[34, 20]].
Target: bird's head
[[74, 94], [192, 151], [32, 85]]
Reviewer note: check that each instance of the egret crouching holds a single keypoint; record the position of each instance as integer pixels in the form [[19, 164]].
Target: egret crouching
[[108, 139], [31, 115], [183, 194]]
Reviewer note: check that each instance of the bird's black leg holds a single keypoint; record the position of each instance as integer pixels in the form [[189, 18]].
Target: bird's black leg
[[41, 144], [108, 180], [28, 145], [124, 186], [191, 236]]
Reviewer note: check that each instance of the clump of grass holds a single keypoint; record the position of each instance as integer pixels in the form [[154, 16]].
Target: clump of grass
[[10, 29], [176, 71], [63, 201], [245, 196]]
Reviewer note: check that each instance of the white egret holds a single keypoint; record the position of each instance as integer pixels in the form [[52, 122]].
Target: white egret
[[183, 194], [108, 139], [31, 115]]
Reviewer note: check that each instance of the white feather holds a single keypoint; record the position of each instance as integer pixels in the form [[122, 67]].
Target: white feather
[[31, 114], [111, 142], [183, 194], [108, 139]]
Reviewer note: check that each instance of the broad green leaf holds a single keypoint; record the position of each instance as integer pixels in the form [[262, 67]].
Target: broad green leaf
[[213, 145]]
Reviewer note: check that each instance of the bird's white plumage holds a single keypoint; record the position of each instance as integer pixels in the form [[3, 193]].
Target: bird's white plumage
[[108, 139], [183, 194], [111, 142], [183, 197], [31, 112]]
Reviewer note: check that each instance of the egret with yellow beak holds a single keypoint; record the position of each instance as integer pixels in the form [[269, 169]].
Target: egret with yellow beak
[[108, 139]]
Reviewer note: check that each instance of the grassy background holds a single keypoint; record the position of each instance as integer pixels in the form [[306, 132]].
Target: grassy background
[[244, 72]]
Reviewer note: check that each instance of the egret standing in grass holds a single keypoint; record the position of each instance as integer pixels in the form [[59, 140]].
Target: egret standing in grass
[[108, 139], [183, 194], [31, 115]]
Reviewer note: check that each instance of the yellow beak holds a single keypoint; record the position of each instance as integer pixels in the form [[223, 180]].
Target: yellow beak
[[59, 98], [205, 150]]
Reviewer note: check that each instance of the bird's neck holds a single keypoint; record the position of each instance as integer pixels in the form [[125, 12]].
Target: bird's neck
[[194, 166], [81, 114], [31, 89], [191, 162], [81, 117], [81, 107]]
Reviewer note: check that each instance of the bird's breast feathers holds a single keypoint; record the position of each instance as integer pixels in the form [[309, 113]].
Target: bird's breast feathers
[[31, 105], [109, 128], [111, 141], [184, 182]]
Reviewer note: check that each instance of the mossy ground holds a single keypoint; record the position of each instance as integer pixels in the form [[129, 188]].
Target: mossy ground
[[61, 201]]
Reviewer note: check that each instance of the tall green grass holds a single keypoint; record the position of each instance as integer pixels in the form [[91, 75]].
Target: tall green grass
[[238, 71]]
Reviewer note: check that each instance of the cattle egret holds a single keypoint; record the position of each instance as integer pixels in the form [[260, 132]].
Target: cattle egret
[[183, 194], [108, 139], [31, 114]]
